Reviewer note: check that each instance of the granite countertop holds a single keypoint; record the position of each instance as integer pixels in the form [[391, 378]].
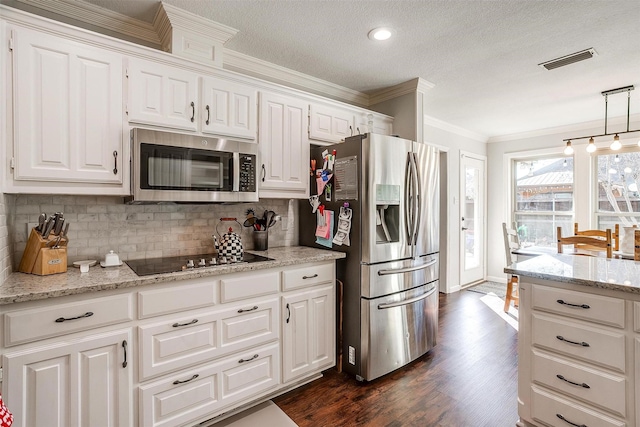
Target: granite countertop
[[21, 287], [598, 272]]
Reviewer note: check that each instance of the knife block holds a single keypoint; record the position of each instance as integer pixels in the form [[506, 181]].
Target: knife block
[[39, 258]]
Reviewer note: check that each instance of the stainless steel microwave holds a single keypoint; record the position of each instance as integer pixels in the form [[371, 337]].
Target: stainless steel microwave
[[174, 167]]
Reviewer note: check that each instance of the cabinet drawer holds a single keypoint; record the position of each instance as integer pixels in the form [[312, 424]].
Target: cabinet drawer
[[597, 345], [590, 384], [178, 342], [205, 390], [177, 298], [249, 286], [636, 316], [548, 408], [39, 323], [309, 275], [590, 307]]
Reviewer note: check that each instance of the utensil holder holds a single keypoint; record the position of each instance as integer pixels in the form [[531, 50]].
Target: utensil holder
[[39, 258], [261, 240]]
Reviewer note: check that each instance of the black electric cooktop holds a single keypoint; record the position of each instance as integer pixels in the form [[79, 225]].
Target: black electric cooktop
[[147, 267]]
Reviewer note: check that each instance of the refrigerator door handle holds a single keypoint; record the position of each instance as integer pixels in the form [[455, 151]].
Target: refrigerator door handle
[[407, 196], [417, 196], [406, 301], [415, 187], [406, 269]]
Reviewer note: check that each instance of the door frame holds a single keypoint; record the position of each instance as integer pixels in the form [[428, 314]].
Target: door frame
[[483, 261]]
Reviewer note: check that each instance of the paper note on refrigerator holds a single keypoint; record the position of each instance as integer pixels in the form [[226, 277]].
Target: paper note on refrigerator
[[329, 224]]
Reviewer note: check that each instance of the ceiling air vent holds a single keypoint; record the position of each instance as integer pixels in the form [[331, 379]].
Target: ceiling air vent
[[569, 59]]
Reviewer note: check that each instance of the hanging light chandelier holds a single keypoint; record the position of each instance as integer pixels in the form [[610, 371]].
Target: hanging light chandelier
[[615, 144]]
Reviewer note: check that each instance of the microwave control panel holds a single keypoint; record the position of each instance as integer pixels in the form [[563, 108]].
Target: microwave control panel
[[247, 172]]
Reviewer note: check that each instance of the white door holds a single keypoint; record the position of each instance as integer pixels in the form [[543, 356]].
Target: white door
[[472, 218], [229, 108]]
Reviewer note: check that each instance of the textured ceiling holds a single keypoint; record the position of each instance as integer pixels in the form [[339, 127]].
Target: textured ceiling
[[482, 56]]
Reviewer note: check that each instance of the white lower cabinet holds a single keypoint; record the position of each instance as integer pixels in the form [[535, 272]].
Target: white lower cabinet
[[575, 364], [185, 397], [308, 338], [84, 382]]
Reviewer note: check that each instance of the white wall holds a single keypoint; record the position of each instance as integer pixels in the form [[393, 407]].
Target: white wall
[[501, 151], [453, 144]]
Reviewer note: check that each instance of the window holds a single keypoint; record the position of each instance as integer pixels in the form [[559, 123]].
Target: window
[[617, 182], [543, 199]]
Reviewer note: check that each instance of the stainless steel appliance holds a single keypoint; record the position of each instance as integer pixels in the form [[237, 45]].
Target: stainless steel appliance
[[146, 267], [173, 167], [390, 274]]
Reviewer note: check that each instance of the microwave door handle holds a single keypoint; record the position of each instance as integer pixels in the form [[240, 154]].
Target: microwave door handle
[[221, 175], [236, 171]]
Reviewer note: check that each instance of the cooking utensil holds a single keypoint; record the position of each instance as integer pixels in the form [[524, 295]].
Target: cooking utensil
[[270, 219], [48, 227], [42, 218], [57, 228]]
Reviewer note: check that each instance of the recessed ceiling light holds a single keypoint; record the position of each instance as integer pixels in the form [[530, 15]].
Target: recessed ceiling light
[[382, 33]]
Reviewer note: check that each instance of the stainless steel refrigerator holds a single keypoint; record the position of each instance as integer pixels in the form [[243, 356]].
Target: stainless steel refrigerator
[[390, 274]]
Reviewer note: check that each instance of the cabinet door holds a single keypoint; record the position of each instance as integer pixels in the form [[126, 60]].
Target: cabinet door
[[68, 110], [330, 124], [308, 332], [230, 109], [284, 147], [79, 384], [162, 95], [373, 123]]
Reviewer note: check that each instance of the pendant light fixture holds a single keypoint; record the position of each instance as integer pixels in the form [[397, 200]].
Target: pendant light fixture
[[615, 144]]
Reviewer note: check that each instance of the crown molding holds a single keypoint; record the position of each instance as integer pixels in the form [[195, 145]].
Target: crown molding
[[411, 86], [566, 129], [168, 16], [457, 130], [98, 17], [245, 64]]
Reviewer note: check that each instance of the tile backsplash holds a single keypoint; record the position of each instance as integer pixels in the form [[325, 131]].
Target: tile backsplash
[[6, 266], [99, 224]]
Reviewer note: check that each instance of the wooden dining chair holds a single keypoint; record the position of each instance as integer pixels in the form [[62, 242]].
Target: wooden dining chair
[[586, 242], [615, 235], [511, 243]]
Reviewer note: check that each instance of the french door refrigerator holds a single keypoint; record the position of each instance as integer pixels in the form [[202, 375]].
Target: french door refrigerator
[[390, 273]]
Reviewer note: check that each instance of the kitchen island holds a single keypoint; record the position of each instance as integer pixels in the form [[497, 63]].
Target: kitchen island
[[111, 348], [579, 341]]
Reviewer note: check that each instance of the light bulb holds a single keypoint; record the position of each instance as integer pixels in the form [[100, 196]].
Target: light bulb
[[639, 143], [380, 34], [568, 150], [591, 147], [615, 145]]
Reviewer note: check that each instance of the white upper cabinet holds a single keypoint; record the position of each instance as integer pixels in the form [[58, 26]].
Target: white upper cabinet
[[374, 123], [284, 147], [162, 95], [229, 108], [67, 110], [330, 124]]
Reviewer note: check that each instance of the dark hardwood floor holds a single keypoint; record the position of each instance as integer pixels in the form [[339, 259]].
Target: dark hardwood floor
[[468, 380]]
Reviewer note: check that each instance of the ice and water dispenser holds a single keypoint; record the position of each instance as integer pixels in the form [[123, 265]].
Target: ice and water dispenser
[[387, 213]]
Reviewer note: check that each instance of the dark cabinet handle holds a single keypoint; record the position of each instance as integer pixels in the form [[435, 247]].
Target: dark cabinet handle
[[177, 325], [569, 422], [288, 313], [208, 114], [310, 277], [255, 356], [115, 162], [572, 305], [242, 310], [176, 382], [583, 344], [193, 112], [64, 319], [351, 129], [585, 385], [264, 172], [124, 347]]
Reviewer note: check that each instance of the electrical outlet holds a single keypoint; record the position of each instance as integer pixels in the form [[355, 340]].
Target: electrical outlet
[[284, 222], [352, 355], [30, 225]]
